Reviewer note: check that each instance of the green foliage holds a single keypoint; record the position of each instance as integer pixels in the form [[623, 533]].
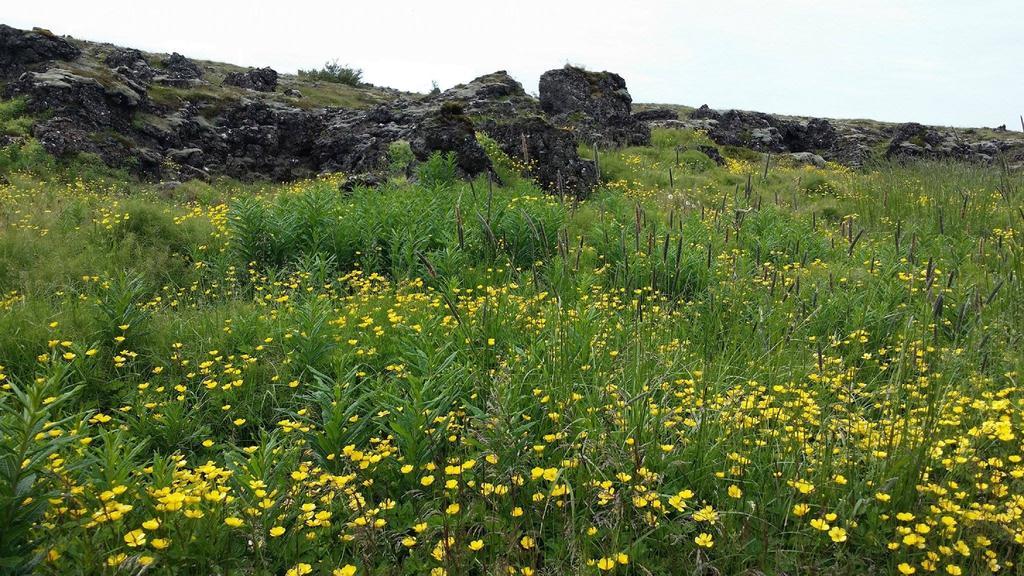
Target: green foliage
[[439, 172], [817, 184], [334, 72], [400, 158], [14, 118], [696, 161], [254, 364]]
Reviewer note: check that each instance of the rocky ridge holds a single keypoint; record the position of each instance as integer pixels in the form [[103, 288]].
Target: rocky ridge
[[175, 118]]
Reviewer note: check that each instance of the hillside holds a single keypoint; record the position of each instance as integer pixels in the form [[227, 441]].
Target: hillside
[[167, 117], [479, 332]]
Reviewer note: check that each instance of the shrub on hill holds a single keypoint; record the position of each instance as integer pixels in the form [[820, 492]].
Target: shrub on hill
[[334, 72]]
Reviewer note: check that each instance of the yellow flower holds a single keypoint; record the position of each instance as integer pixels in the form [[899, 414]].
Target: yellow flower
[[160, 543], [276, 531], [300, 569], [819, 524], [135, 538], [409, 541], [837, 534], [346, 570], [735, 491], [526, 542], [476, 545], [622, 558], [233, 521], [606, 564], [427, 480], [704, 540], [800, 509], [452, 509], [906, 569], [151, 525]]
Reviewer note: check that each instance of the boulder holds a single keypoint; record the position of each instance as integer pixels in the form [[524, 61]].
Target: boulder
[[655, 114], [450, 130], [130, 63], [293, 93], [594, 105], [806, 159], [179, 71], [258, 79], [548, 152], [92, 104], [713, 153], [495, 95], [20, 49]]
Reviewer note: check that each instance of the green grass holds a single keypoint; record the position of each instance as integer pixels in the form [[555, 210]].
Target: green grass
[[210, 370]]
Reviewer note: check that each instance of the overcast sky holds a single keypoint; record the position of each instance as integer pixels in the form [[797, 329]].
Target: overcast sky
[[951, 62]]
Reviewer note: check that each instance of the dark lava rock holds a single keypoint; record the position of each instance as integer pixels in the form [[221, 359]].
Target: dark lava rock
[[355, 141], [92, 104], [130, 63], [548, 151], [258, 79], [178, 70], [365, 180], [20, 49], [450, 130], [656, 114], [269, 139], [595, 105], [713, 153], [293, 93], [493, 95]]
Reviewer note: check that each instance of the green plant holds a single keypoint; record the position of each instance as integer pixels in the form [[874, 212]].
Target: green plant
[[334, 72], [27, 411], [438, 172]]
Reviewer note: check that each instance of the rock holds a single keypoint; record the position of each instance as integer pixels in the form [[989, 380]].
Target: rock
[[496, 95], [353, 141], [292, 92], [20, 49], [713, 153], [186, 156], [177, 67], [450, 130], [595, 105], [130, 63], [86, 100], [268, 139], [656, 114], [806, 159], [258, 79], [365, 180], [549, 151]]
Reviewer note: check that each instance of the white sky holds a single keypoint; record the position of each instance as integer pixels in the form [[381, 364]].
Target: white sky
[[953, 62]]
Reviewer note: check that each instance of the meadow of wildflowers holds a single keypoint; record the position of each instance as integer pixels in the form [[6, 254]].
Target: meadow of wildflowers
[[737, 373]]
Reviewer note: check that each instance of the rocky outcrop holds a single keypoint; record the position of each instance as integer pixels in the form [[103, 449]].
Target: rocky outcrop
[[258, 79], [450, 130], [656, 114], [594, 105], [912, 140], [130, 63], [21, 49], [179, 71]]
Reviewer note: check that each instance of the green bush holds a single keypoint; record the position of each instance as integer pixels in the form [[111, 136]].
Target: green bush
[[14, 118], [336, 73], [439, 171], [696, 161], [817, 184], [400, 158]]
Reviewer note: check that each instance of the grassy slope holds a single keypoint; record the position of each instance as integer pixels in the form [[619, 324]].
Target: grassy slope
[[607, 385]]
